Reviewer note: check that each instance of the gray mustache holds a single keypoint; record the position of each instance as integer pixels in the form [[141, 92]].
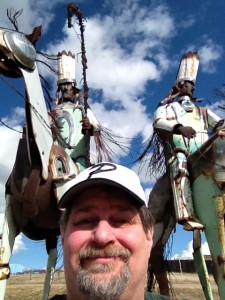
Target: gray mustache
[[108, 251]]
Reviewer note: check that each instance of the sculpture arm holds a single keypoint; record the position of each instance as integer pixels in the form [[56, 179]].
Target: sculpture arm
[[214, 121], [161, 120], [93, 120], [90, 123]]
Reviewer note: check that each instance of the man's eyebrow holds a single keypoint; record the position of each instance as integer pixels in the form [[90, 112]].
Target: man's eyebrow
[[85, 208], [124, 208], [119, 207]]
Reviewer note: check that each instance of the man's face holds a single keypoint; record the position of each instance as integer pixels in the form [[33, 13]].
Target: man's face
[[67, 90], [106, 250]]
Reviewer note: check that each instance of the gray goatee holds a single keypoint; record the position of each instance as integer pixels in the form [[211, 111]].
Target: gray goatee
[[91, 280]]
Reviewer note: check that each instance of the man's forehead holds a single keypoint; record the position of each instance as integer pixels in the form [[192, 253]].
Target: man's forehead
[[112, 196]]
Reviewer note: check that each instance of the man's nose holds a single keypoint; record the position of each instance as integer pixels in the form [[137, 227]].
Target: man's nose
[[104, 233]]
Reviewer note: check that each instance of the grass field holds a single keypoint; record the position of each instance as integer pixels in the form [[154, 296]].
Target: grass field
[[29, 286]]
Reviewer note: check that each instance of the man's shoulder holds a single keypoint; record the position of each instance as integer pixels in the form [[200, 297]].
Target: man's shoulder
[[150, 296], [58, 297]]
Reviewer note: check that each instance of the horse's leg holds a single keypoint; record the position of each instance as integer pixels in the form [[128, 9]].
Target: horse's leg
[[158, 265], [161, 206], [200, 265], [51, 247], [7, 241], [210, 208]]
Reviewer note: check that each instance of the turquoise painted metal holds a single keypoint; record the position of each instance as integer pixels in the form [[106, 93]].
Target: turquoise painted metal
[[200, 265], [207, 170], [68, 117], [207, 178]]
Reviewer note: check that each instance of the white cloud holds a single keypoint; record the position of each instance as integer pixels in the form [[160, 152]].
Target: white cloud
[[121, 63], [188, 252], [215, 107], [209, 54], [19, 244], [34, 13], [188, 21], [17, 268], [156, 22], [143, 173], [9, 138]]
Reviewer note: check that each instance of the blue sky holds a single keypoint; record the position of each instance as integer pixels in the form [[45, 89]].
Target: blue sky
[[133, 51]]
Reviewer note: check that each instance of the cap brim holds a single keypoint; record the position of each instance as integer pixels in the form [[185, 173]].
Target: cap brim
[[74, 191]]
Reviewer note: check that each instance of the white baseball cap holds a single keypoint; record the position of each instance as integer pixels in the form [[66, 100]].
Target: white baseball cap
[[104, 173]]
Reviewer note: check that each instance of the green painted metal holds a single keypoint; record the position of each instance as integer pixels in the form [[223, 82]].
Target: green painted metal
[[70, 137], [200, 267], [208, 178]]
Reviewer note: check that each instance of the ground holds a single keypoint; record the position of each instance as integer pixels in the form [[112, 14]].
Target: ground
[[29, 286]]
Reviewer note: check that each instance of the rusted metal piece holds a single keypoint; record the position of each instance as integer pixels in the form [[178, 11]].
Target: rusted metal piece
[[62, 169], [221, 260], [4, 271], [4, 267], [182, 196]]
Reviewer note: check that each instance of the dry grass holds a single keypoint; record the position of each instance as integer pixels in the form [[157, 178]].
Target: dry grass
[[29, 286], [187, 286]]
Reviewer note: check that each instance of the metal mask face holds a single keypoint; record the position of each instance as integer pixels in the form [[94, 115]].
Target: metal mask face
[[67, 90], [186, 103]]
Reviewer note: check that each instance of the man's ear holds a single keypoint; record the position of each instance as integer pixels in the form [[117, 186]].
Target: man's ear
[[150, 233], [149, 236]]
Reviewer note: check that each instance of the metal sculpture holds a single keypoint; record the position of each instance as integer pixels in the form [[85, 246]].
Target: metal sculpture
[[31, 179], [50, 153], [187, 145]]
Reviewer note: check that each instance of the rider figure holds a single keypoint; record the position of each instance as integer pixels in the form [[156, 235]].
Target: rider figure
[[70, 121], [183, 127]]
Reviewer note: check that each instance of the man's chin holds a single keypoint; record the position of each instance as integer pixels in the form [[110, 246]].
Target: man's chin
[[103, 282]]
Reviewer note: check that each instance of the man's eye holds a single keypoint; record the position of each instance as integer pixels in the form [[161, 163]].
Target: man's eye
[[85, 222], [120, 222]]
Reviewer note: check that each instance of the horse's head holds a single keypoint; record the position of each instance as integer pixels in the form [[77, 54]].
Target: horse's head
[[17, 49]]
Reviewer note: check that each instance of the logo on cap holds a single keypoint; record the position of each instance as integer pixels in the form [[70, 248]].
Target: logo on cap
[[101, 167]]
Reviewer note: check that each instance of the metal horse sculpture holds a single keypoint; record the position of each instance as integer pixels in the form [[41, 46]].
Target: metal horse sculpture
[[170, 197], [31, 206], [42, 167], [207, 175]]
